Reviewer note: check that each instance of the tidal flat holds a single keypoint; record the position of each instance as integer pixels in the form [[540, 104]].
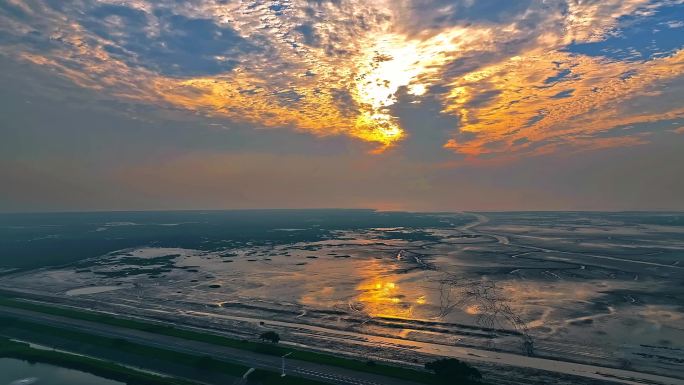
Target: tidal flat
[[599, 288]]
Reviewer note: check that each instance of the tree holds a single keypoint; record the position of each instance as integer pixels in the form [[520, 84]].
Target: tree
[[270, 336], [450, 369]]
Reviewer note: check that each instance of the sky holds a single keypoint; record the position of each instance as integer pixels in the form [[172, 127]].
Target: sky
[[422, 105]]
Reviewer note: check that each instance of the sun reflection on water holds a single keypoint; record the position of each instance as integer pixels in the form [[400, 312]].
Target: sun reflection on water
[[382, 294]]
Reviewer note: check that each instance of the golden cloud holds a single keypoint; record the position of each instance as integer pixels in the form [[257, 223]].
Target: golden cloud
[[336, 68], [527, 110]]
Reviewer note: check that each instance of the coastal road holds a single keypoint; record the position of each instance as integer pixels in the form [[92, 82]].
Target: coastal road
[[342, 376], [324, 373]]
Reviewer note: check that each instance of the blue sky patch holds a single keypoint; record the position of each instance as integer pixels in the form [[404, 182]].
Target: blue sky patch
[[563, 94], [184, 47], [639, 38]]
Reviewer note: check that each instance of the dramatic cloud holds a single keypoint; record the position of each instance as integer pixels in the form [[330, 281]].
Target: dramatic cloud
[[519, 78]]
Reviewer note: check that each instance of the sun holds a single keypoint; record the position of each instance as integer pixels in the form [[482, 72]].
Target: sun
[[390, 62]]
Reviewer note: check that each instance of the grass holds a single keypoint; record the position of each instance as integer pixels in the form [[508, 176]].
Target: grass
[[271, 349], [22, 351]]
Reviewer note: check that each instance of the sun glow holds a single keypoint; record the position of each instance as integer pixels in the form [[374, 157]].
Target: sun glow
[[393, 61]]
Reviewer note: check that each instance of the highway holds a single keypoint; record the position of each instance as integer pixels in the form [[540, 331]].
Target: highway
[[323, 373]]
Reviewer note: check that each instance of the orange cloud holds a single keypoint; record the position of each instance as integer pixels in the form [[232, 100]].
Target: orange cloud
[[336, 68], [525, 112]]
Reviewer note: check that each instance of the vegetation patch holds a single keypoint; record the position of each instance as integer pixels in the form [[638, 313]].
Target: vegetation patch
[[450, 369]]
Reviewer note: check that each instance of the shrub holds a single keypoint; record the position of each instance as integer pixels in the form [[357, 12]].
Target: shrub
[[270, 336], [449, 369]]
